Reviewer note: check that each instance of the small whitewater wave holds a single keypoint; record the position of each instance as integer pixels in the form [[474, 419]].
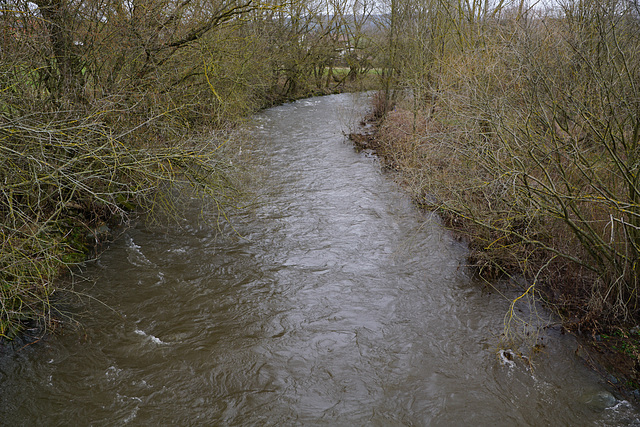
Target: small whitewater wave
[[153, 339], [506, 358], [136, 256]]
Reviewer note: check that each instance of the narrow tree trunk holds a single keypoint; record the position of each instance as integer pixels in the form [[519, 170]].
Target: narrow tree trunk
[[66, 71]]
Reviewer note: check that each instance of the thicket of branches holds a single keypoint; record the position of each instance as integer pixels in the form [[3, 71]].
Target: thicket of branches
[[522, 125], [106, 105]]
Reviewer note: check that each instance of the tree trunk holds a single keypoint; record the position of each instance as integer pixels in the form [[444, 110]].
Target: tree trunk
[[66, 78]]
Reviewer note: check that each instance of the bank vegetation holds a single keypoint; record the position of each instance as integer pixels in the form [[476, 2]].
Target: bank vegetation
[[107, 108], [519, 121]]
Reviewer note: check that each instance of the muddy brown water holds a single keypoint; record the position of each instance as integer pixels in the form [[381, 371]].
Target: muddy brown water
[[340, 305]]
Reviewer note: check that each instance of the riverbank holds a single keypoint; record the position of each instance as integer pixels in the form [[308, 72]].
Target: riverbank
[[335, 302], [420, 150], [106, 117], [77, 175]]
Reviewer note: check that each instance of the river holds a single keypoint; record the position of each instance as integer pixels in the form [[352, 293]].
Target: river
[[335, 303]]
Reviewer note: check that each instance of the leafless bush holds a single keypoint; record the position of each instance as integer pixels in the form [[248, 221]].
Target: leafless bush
[[528, 143]]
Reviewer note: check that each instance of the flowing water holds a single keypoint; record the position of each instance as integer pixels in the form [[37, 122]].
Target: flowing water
[[340, 304]]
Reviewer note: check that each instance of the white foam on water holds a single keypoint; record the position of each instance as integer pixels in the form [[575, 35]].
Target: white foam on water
[[623, 413], [136, 257], [153, 339], [125, 400], [506, 358]]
